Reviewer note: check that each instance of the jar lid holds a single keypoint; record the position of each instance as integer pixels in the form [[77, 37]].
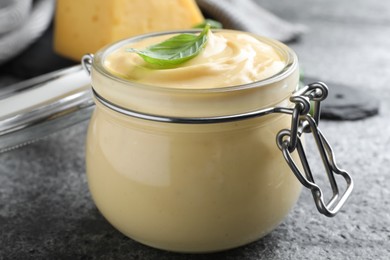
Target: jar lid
[[45, 104]]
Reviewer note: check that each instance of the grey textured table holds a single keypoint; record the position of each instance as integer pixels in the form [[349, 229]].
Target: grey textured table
[[46, 211]]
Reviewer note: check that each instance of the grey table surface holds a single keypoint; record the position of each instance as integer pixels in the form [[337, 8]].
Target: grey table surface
[[46, 211]]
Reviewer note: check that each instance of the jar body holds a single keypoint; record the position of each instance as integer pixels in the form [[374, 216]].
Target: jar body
[[191, 187]]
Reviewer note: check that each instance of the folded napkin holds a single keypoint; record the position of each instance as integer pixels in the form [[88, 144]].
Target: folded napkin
[[32, 25], [13, 13], [248, 15]]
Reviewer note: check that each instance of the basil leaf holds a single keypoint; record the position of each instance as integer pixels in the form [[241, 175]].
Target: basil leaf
[[175, 50], [213, 24]]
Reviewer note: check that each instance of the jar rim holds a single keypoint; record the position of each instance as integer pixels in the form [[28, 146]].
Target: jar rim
[[288, 54]]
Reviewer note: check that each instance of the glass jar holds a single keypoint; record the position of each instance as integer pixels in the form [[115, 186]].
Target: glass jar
[[170, 169]]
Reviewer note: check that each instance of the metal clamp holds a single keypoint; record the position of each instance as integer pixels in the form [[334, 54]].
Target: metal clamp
[[289, 140], [86, 62]]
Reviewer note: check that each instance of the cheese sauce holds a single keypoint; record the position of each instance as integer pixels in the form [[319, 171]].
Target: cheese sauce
[[229, 59]]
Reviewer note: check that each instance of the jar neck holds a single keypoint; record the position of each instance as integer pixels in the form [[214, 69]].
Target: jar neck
[[196, 104]]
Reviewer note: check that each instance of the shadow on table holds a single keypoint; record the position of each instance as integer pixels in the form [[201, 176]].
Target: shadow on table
[[92, 237]]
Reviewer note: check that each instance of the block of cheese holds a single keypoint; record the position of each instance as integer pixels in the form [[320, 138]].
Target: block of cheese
[[84, 26]]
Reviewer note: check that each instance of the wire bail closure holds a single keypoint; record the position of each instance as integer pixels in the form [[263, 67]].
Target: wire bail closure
[[307, 100], [289, 140]]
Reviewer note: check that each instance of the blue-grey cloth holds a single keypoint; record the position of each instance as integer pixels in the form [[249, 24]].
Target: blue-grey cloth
[[248, 15], [25, 24]]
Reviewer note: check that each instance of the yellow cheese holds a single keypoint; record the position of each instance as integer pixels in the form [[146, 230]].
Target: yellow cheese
[[84, 26]]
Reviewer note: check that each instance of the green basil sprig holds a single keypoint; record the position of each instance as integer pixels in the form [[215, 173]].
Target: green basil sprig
[[175, 50], [213, 24]]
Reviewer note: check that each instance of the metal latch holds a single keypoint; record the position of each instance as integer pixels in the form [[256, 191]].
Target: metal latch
[[289, 140]]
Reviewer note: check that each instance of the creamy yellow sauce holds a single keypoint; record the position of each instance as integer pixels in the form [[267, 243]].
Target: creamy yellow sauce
[[228, 59], [186, 187]]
